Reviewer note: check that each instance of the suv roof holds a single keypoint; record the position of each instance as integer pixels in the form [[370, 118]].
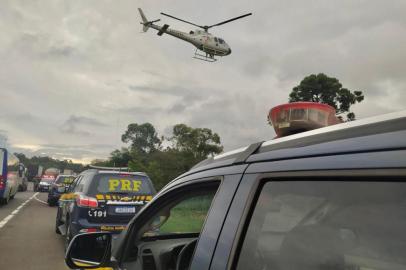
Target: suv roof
[[370, 134], [105, 170], [131, 173], [98, 171]]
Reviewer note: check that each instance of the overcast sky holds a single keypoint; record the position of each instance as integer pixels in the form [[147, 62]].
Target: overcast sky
[[74, 74]]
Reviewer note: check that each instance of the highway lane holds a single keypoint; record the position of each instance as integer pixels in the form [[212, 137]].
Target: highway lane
[[28, 239], [20, 197]]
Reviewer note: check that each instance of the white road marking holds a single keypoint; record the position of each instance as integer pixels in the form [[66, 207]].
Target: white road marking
[[15, 212], [41, 201]]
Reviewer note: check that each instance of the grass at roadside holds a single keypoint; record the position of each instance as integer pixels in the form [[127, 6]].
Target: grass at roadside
[[188, 216]]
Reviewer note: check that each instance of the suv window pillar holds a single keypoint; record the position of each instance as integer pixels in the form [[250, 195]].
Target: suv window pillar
[[214, 222], [231, 224]]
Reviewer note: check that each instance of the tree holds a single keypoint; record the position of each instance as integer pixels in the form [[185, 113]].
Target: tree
[[323, 89], [189, 146], [120, 158], [143, 138], [200, 142]]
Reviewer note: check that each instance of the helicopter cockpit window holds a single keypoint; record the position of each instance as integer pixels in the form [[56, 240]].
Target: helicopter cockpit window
[[221, 41]]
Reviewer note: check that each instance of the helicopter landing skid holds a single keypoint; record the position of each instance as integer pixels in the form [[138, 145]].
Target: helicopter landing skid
[[207, 57]]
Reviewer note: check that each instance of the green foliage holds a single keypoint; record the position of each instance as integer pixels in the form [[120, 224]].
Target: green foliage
[[188, 147], [323, 89], [199, 142], [189, 215], [142, 137]]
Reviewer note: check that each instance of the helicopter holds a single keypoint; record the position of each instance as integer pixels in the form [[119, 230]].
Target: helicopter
[[204, 41]]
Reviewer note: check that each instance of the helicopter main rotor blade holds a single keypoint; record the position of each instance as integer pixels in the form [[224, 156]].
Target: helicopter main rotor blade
[[230, 20], [173, 17]]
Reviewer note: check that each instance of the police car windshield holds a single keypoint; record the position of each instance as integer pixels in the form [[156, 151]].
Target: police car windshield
[[121, 183], [64, 180]]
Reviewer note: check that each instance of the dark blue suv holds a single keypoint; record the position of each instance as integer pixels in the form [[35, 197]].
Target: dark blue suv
[[102, 200], [331, 198]]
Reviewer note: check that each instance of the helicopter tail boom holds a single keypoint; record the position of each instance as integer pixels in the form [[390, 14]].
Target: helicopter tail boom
[[144, 20], [146, 24]]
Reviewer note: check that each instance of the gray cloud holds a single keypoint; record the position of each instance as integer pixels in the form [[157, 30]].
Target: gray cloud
[[64, 51], [76, 73], [79, 125]]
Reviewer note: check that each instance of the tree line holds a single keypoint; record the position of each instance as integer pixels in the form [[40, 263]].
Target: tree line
[[163, 158], [34, 162]]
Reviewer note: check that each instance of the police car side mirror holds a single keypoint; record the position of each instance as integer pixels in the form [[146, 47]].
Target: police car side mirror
[[89, 250]]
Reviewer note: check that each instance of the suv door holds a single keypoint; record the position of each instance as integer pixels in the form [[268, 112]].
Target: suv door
[[317, 220], [66, 199], [179, 228]]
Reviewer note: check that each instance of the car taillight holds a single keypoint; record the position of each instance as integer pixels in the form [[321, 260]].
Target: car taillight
[[85, 201], [1, 182]]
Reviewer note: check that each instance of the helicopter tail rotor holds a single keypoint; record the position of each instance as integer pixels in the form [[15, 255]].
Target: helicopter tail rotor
[[146, 24]]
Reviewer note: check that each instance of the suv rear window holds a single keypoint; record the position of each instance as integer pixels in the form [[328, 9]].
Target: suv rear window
[[121, 184], [65, 180]]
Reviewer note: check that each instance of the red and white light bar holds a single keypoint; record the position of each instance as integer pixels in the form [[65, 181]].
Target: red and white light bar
[[296, 117]]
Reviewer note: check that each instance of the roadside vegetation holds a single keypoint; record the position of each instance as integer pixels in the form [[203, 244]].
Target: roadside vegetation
[[163, 158]]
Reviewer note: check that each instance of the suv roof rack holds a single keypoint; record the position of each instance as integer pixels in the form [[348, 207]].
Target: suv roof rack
[[120, 169]]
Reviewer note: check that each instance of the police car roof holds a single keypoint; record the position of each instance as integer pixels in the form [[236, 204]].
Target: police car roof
[[118, 172], [370, 134]]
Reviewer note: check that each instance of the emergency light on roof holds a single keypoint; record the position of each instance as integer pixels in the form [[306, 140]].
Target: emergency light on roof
[[296, 117]]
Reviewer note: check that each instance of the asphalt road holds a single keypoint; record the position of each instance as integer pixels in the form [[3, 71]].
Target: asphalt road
[[27, 234]]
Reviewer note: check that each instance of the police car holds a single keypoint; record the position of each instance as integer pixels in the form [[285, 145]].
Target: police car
[[329, 198], [102, 199]]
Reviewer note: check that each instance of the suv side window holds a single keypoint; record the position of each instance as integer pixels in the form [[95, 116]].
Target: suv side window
[[78, 184], [169, 236], [85, 182], [326, 225], [187, 216], [73, 184]]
